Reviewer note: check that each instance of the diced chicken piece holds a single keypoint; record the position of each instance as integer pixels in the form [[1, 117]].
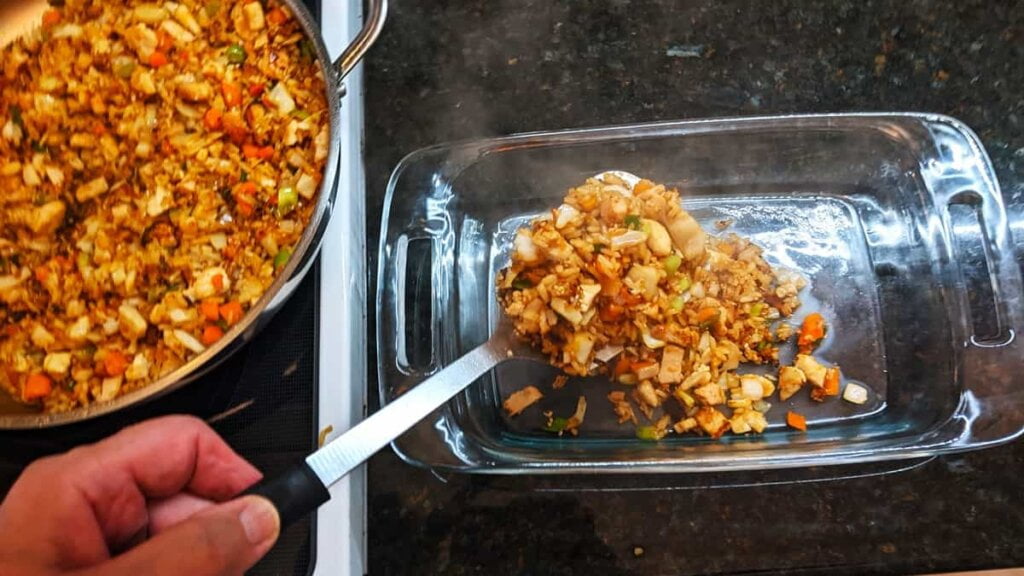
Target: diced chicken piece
[[521, 399], [581, 345], [92, 189], [645, 392], [150, 13], [525, 248], [131, 322], [565, 214], [209, 282], [685, 425], [644, 278], [710, 394], [57, 364], [696, 378], [142, 40], [306, 186], [195, 91], [687, 236], [646, 370], [711, 421], [45, 219], [254, 17], [628, 239], [177, 31], [739, 424], [756, 420], [671, 365], [281, 99], [814, 371], [142, 81], [588, 292], [41, 337], [109, 388], [138, 369], [658, 239], [160, 201], [79, 330], [791, 379], [566, 311]]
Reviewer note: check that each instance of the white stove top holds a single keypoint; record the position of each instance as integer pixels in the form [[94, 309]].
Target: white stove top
[[340, 548]]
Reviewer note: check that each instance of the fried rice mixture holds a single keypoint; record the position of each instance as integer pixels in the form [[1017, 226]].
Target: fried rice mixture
[[158, 163], [620, 279]]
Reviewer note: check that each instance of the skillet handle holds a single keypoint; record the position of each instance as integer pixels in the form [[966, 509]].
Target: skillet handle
[[354, 52], [295, 493]]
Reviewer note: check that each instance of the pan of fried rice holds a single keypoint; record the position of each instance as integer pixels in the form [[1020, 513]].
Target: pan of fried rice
[[167, 170]]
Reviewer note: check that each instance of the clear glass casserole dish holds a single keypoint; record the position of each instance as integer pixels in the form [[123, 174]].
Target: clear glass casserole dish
[[896, 220]]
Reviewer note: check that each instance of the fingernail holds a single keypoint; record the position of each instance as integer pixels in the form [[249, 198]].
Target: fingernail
[[259, 520]]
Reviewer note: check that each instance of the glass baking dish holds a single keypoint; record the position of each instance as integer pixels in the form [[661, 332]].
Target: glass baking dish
[[896, 220]]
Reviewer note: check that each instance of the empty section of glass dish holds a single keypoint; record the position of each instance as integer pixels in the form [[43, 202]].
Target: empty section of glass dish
[[896, 220]]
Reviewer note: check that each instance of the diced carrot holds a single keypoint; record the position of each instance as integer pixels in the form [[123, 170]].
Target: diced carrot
[[11, 329], [709, 314], [218, 282], [50, 18], [157, 59], [183, 56], [797, 421], [164, 41], [231, 312], [115, 363], [641, 364], [256, 89], [245, 188], [811, 331], [99, 129], [211, 334], [253, 152], [209, 309], [643, 186], [36, 386], [166, 147], [42, 272], [245, 208], [622, 365], [277, 17], [832, 381], [232, 93], [611, 312], [212, 119]]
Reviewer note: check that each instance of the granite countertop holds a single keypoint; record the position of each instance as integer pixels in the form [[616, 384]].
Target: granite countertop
[[448, 70]]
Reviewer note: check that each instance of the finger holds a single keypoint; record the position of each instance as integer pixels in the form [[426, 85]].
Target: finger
[[224, 539], [167, 455], [155, 459], [166, 513]]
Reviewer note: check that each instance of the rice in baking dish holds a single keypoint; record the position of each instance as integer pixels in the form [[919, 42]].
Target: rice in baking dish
[[158, 163], [620, 279]]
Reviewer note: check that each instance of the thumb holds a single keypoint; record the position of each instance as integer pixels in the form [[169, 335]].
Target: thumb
[[224, 539]]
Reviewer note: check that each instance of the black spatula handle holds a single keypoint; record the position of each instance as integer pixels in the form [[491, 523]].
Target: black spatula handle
[[295, 493]]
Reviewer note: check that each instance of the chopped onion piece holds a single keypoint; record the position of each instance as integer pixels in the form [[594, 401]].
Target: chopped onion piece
[[189, 341], [607, 353], [855, 393]]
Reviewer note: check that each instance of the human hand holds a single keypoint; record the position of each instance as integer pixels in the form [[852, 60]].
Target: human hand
[[152, 499]]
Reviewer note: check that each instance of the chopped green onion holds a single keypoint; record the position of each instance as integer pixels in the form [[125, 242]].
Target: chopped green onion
[[16, 117], [557, 425], [521, 284], [599, 247], [672, 262], [762, 345], [686, 398], [684, 283], [632, 221], [648, 433], [677, 303], [39, 146], [287, 200], [755, 310], [236, 54], [282, 257], [300, 114], [243, 177], [306, 49], [124, 66]]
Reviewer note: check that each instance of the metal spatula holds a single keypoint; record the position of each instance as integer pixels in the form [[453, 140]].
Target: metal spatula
[[303, 488]]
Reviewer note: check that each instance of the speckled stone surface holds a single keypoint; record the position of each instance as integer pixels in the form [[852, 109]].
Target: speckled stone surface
[[447, 70]]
